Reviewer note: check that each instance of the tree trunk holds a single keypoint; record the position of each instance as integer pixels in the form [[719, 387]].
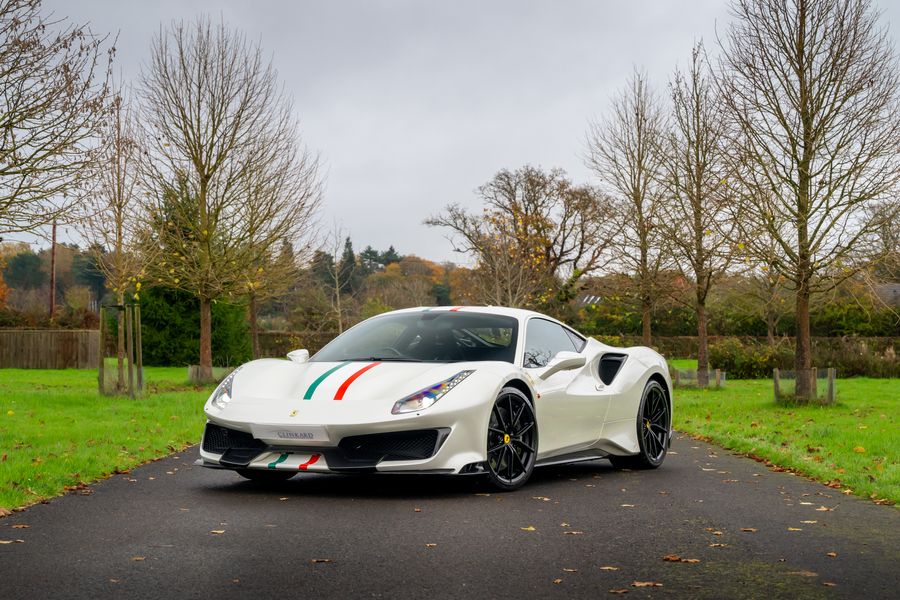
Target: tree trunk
[[254, 326], [702, 347], [770, 327], [803, 356], [645, 323], [205, 372], [120, 342]]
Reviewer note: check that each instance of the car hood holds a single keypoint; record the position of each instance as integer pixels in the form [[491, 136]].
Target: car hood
[[272, 390]]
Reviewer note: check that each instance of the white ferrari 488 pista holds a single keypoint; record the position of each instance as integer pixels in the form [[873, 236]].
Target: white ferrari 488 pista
[[455, 390]]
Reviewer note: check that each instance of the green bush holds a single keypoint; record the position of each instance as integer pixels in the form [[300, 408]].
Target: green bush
[[749, 360], [852, 357], [170, 330]]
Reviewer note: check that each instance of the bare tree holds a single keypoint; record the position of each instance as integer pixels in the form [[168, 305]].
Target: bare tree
[[537, 236], [813, 87], [113, 213], [625, 152], [53, 81], [227, 179], [696, 222]]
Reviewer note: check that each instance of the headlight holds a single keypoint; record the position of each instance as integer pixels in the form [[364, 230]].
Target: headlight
[[425, 398], [222, 396]]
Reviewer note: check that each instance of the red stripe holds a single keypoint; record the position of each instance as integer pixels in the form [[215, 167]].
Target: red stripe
[[455, 309], [343, 389], [312, 460]]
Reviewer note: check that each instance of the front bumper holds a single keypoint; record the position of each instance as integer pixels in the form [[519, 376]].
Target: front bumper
[[433, 450]]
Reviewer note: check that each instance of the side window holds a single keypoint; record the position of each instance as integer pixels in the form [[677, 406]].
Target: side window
[[543, 340], [577, 340]]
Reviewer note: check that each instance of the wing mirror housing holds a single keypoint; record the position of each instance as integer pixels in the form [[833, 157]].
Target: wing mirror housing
[[563, 361], [299, 356]]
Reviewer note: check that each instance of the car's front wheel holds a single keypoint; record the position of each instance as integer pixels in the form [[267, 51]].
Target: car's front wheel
[[261, 476], [512, 440], [654, 425]]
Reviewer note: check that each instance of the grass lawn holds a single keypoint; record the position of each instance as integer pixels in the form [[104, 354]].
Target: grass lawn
[[853, 444], [56, 431]]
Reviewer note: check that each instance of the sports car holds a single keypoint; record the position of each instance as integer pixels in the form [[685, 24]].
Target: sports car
[[455, 390]]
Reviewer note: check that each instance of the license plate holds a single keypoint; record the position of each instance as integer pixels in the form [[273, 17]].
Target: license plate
[[291, 434]]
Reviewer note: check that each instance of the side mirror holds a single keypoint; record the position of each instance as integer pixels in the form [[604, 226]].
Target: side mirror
[[563, 361], [299, 356]]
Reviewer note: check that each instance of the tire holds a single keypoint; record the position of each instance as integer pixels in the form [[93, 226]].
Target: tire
[[512, 440], [265, 477], [654, 425]]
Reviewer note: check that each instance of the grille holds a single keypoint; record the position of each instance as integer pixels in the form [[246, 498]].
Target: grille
[[218, 439], [399, 445]]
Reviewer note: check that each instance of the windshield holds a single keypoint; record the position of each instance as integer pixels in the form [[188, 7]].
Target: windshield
[[439, 336]]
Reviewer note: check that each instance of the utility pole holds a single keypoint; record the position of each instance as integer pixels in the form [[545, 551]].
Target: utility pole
[[53, 272]]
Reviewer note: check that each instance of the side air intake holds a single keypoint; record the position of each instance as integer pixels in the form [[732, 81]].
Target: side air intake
[[610, 365]]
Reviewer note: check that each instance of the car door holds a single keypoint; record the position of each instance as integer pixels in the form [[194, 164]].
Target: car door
[[568, 419]]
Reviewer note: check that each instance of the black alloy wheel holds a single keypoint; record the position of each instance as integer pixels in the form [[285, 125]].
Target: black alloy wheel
[[511, 440], [654, 426]]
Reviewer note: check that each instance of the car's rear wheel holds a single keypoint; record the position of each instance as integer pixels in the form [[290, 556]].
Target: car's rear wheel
[[511, 440], [654, 425], [260, 476]]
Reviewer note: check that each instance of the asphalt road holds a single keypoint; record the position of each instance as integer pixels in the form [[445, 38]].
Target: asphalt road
[[172, 530]]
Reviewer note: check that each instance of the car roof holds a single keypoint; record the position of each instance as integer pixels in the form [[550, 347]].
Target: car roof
[[519, 313]]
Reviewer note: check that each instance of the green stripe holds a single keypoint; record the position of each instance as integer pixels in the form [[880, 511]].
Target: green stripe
[[309, 393], [281, 459]]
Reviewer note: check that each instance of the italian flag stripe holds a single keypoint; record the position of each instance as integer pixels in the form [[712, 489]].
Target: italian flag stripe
[[281, 459], [343, 389], [309, 392]]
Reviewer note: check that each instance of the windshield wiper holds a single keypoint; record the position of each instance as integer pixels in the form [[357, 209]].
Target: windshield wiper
[[385, 359]]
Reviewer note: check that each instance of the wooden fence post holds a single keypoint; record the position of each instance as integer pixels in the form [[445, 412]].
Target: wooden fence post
[[101, 365], [718, 378], [813, 382], [832, 374], [677, 378], [776, 378], [139, 349], [129, 348]]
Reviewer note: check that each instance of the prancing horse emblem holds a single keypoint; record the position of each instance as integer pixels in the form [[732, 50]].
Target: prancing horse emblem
[[293, 413]]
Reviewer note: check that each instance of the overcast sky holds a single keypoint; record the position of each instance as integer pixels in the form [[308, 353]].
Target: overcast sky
[[413, 104]]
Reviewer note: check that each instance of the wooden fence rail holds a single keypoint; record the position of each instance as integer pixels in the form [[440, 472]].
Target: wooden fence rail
[[49, 348]]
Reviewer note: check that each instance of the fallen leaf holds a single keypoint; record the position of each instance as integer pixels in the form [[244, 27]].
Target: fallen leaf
[[824, 509], [564, 525], [431, 545], [829, 584], [806, 503], [317, 561], [717, 545], [529, 528], [749, 529], [573, 533], [570, 570], [4, 512], [417, 510], [831, 554], [803, 573], [672, 558], [691, 561], [12, 541], [618, 591], [138, 558], [646, 584], [482, 494], [557, 581], [541, 498], [859, 450], [21, 526], [729, 481], [809, 522], [217, 531], [609, 568], [282, 499], [795, 529]]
